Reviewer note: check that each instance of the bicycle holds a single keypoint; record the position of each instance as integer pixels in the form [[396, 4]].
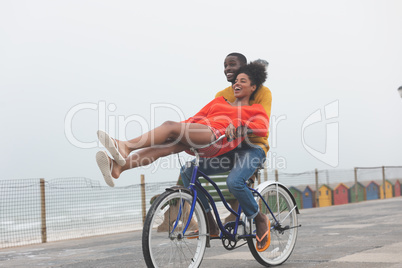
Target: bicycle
[[185, 241]]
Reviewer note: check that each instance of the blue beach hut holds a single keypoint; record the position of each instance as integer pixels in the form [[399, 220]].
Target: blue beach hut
[[308, 197], [372, 190]]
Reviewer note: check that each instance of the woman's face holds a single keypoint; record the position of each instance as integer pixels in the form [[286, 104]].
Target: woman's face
[[242, 86], [231, 66]]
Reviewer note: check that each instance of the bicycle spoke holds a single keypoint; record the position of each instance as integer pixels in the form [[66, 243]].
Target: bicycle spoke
[[290, 212], [283, 213], [163, 238]]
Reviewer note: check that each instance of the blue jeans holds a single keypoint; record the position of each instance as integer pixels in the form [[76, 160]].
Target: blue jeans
[[242, 163]]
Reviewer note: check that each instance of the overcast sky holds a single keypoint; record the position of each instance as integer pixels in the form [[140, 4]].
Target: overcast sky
[[68, 68]]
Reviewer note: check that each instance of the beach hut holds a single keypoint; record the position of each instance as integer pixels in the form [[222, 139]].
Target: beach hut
[[372, 190], [388, 190], [308, 197], [397, 187], [361, 192], [298, 195], [341, 194], [324, 196]]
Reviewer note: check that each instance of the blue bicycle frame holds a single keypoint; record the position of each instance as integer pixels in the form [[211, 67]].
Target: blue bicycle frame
[[194, 183]]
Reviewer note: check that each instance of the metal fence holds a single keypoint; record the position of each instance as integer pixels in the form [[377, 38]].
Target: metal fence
[[327, 186], [38, 210]]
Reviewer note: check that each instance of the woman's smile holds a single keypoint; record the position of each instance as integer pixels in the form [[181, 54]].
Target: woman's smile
[[237, 90]]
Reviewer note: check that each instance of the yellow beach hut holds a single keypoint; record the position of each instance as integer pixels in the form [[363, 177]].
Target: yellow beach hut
[[388, 190], [325, 196]]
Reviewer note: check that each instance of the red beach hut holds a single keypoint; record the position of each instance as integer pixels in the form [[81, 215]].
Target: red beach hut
[[341, 194], [397, 187]]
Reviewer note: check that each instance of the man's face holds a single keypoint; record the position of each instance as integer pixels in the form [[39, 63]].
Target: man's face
[[231, 66]]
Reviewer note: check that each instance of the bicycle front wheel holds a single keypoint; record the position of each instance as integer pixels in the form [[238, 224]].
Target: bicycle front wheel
[[163, 241], [283, 231]]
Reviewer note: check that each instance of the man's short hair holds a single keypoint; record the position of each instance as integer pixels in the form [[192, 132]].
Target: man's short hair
[[240, 57]]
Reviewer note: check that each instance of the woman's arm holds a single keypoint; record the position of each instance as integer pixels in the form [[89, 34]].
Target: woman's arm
[[256, 119]]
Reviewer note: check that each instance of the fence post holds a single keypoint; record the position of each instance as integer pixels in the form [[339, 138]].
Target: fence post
[[144, 207], [383, 181], [266, 171], [356, 193], [317, 204], [276, 175], [43, 210]]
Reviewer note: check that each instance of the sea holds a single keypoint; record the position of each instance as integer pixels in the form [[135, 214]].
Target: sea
[[72, 207]]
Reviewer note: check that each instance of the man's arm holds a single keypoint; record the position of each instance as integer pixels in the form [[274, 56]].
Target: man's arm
[[264, 97]]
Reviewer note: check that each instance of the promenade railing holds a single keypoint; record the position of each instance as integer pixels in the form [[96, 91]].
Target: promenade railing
[[39, 210]]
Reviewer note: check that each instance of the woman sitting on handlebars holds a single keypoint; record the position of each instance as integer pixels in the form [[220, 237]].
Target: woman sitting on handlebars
[[217, 118]]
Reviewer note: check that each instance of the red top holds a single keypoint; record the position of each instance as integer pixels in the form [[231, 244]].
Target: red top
[[218, 114]]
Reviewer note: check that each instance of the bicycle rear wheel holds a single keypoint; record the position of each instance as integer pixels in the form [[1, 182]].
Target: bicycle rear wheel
[[163, 241], [283, 232]]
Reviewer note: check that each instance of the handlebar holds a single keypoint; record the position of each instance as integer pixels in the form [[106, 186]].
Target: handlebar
[[212, 143], [249, 131], [195, 150]]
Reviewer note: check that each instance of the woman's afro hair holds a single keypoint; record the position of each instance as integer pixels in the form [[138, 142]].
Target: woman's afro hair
[[256, 73]]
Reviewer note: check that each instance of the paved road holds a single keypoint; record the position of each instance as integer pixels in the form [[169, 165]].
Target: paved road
[[367, 234]]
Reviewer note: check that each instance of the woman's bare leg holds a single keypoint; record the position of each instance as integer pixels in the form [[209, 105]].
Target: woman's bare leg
[[147, 156], [188, 134]]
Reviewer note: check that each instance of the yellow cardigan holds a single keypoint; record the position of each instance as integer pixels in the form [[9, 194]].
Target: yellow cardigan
[[263, 97]]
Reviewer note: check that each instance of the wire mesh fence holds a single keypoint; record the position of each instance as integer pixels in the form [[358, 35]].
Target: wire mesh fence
[[318, 188], [20, 212], [35, 211], [38, 210]]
